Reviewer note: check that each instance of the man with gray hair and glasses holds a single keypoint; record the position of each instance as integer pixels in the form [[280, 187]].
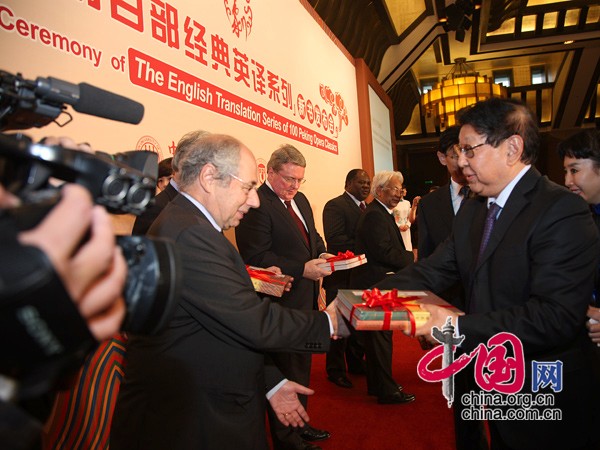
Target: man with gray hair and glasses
[[282, 233], [378, 237], [525, 250], [201, 382]]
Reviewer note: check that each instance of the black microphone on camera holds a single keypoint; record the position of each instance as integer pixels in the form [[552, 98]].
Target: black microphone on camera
[[89, 99], [26, 103]]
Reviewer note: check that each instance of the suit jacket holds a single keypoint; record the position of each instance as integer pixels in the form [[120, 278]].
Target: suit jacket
[[534, 280], [435, 217], [201, 383], [379, 238], [340, 220], [143, 221], [434, 220], [268, 236]]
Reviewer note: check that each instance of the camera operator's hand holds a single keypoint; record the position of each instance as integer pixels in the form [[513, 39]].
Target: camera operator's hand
[[93, 272], [7, 200]]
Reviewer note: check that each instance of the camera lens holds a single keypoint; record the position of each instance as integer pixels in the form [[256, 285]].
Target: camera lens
[[114, 188], [139, 196], [153, 281]]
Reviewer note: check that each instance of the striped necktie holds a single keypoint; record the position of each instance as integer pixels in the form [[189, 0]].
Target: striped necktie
[[297, 220], [490, 220]]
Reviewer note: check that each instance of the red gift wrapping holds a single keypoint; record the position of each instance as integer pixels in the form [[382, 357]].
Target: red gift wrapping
[[374, 298], [267, 282], [388, 310], [344, 256]]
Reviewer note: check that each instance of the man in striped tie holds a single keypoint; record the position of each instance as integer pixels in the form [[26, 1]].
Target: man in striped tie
[[532, 279], [281, 232]]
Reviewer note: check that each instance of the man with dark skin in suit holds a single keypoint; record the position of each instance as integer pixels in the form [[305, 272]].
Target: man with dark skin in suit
[[340, 217]]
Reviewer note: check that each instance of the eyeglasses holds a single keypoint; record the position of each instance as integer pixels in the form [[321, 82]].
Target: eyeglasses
[[291, 180], [467, 150], [394, 190], [246, 186]]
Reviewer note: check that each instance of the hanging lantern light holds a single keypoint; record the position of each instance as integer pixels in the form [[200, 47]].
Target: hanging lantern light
[[461, 87]]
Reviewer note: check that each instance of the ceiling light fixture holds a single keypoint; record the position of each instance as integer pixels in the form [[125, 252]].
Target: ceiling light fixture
[[461, 87]]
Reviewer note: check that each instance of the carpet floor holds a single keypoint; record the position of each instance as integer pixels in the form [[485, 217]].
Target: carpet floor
[[357, 422]]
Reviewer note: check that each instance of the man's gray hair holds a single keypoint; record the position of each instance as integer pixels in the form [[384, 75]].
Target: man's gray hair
[[184, 144], [200, 148], [381, 179], [286, 154]]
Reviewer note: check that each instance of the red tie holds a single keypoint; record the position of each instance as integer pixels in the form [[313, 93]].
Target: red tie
[[362, 206], [299, 224]]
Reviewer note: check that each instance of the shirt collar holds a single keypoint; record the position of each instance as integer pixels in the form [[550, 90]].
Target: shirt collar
[[455, 188], [358, 202], [503, 196], [203, 210], [386, 208], [271, 187]]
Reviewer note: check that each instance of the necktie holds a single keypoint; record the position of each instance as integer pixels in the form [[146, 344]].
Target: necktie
[[299, 224], [490, 219], [465, 191], [362, 206]]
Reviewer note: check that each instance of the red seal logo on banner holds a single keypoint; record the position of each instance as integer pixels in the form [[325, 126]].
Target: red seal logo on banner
[[149, 144], [240, 15], [261, 168]]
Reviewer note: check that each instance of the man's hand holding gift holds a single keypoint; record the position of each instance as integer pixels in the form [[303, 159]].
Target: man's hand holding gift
[[277, 271], [340, 328], [315, 269], [437, 318]]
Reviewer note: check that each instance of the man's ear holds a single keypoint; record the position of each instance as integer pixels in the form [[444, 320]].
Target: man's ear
[[514, 148], [442, 157], [208, 177]]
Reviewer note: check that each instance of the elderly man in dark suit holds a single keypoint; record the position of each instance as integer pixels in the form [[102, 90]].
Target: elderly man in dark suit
[[201, 382], [379, 238], [340, 218], [530, 274], [282, 233]]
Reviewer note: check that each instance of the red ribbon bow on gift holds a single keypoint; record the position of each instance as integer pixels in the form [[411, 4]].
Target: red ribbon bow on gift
[[374, 298], [264, 275], [341, 257]]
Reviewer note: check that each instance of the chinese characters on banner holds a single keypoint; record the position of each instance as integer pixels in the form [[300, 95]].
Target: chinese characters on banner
[[318, 126]]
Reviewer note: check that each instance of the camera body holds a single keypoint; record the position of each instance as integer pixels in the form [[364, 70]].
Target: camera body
[[26, 169], [36, 312], [113, 181]]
